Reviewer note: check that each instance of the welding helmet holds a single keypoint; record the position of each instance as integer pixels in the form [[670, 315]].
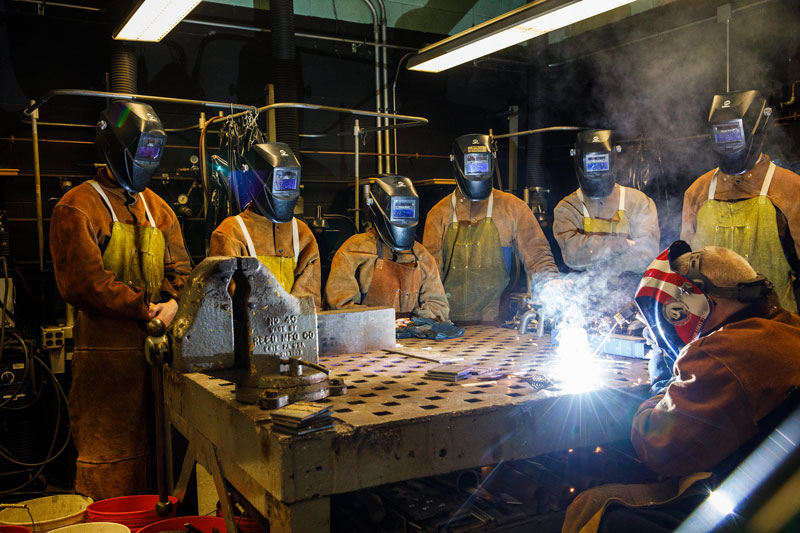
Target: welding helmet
[[594, 155], [272, 184], [738, 123], [672, 306], [130, 139], [473, 158], [393, 207]]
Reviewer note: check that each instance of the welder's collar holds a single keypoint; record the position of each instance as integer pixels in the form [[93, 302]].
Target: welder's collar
[[758, 309]]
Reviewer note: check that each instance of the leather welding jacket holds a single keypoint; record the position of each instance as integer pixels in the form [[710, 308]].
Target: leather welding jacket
[[783, 193], [519, 231], [581, 250], [272, 239], [107, 406], [726, 382], [353, 269], [80, 228]]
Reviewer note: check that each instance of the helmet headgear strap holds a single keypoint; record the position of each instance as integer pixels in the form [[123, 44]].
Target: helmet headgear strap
[[748, 292]]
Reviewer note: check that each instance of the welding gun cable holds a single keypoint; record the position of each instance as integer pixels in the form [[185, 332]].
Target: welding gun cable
[[5, 306], [50, 457], [28, 363]]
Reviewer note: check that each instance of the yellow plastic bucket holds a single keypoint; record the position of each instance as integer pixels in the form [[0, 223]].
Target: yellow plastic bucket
[[48, 513]]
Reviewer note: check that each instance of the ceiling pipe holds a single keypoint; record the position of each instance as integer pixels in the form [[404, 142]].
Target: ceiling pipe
[[378, 119], [385, 87]]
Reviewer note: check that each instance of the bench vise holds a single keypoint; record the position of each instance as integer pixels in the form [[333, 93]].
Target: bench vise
[[262, 331]]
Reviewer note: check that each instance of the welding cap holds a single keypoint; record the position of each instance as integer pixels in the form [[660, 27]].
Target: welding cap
[[131, 139], [272, 185], [672, 306], [594, 155], [393, 207], [738, 123], [473, 158]]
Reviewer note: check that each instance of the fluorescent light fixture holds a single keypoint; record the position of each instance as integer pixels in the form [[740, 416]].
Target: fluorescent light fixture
[[514, 27], [151, 20]]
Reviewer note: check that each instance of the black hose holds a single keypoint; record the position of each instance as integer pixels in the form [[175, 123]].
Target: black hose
[[123, 69], [284, 72]]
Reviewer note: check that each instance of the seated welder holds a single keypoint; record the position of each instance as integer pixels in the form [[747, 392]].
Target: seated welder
[[747, 204], [475, 232], [604, 224], [385, 267], [119, 259], [735, 367], [266, 227]]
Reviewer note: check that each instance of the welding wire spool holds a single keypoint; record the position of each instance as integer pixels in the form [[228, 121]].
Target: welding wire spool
[[94, 527], [206, 524], [47, 513]]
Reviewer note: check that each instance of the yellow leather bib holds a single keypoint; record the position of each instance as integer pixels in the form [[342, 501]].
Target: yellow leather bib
[[617, 225], [135, 254], [281, 267], [475, 272], [749, 228]]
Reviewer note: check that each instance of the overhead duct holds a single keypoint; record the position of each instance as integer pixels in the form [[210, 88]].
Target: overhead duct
[[284, 71], [123, 68], [538, 183]]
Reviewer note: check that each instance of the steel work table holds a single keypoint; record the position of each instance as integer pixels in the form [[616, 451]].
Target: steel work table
[[394, 424]]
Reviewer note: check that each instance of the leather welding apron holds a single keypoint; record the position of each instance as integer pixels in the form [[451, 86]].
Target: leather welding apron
[[617, 225], [394, 285], [749, 228], [108, 402], [282, 267], [475, 272]]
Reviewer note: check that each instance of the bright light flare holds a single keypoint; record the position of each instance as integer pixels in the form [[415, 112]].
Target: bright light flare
[[576, 369], [720, 501]]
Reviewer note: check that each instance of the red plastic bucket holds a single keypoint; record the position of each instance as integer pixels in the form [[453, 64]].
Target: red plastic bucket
[[244, 523], [206, 524], [135, 512], [14, 529]]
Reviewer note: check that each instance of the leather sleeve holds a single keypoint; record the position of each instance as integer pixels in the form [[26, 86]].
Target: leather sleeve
[[579, 250], [433, 235], [703, 417], [432, 298], [645, 234], [308, 272], [177, 265], [343, 288], [530, 244], [78, 266]]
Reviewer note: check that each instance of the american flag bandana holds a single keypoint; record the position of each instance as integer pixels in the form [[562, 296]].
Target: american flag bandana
[[673, 307]]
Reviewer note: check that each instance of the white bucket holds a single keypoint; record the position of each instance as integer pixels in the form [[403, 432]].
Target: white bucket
[[50, 512], [94, 527]]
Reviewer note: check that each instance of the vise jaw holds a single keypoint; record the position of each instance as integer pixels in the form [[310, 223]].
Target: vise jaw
[[264, 332]]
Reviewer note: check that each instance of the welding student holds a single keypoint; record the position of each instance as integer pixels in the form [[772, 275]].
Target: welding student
[[473, 233], [266, 228], [747, 204], [603, 224], [119, 259], [736, 367], [385, 267]]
